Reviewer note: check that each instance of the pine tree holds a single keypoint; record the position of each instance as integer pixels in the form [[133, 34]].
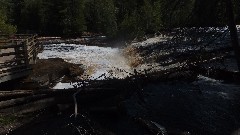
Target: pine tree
[[101, 16], [31, 16], [73, 21], [157, 15]]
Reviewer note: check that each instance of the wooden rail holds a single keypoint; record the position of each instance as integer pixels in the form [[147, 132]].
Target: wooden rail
[[17, 53]]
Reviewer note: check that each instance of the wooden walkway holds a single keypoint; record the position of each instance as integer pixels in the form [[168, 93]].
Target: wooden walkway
[[17, 53]]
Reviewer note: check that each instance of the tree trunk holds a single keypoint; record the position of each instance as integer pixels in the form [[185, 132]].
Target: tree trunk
[[233, 30]]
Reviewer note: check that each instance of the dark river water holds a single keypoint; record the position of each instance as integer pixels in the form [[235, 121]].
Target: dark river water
[[203, 107]]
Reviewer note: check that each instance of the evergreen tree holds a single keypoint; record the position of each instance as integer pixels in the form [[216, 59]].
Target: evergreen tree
[[157, 15], [5, 27], [123, 17], [205, 13], [147, 17], [101, 16], [236, 4], [31, 16], [52, 17], [73, 13], [129, 28]]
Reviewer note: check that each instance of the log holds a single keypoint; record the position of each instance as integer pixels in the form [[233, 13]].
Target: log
[[30, 107], [21, 101], [11, 95], [50, 92], [31, 96]]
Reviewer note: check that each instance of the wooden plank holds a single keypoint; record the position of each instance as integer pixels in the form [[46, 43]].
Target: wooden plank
[[10, 53], [5, 40], [10, 46], [11, 76], [6, 69], [31, 51], [12, 61], [22, 34], [15, 72]]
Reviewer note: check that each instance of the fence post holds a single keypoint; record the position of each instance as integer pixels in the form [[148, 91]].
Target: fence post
[[35, 47], [18, 54], [25, 48]]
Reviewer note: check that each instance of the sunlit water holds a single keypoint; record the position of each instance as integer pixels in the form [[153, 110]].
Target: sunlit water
[[96, 61]]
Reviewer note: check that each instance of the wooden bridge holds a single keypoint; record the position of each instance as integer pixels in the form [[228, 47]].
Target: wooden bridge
[[17, 53]]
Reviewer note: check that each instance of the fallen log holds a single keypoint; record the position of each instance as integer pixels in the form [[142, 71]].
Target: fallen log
[[21, 101], [5, 95], [30, 107], [13, 94], [31, 96]]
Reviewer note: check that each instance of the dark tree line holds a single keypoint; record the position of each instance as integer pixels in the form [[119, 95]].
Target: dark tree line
[[121, 18]]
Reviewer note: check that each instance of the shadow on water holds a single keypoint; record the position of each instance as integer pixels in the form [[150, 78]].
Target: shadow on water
[[204, 107]]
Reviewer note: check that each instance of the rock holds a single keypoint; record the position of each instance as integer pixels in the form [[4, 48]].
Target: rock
[[75, 70], [48, 72]]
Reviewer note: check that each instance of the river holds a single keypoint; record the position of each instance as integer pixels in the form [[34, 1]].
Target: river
[[96, 61]]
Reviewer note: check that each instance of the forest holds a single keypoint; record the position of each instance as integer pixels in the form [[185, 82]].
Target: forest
[[114, 18]]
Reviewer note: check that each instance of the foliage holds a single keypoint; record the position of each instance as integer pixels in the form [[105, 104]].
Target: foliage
[[5, 27], [100, 15], [73, 22], [121, 18]]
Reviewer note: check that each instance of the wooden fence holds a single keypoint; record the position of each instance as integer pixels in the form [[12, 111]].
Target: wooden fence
[[17, 53]]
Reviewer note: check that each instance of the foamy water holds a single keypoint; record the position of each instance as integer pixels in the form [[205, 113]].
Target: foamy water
[[97, 60]]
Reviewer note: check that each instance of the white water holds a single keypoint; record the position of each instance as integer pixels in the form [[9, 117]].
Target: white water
[[96, 60]]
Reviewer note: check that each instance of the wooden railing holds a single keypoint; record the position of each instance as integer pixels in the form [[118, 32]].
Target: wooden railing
[[17, 53]]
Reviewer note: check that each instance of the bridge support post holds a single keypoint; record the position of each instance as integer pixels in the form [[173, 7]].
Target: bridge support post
[[25, 48], [18, 54]]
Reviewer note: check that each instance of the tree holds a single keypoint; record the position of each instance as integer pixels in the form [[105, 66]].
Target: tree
[[74, 21], [30, 20], [5, 27], [158, 15], [147, 17], [129, 27], [233, 30], [101, 16]]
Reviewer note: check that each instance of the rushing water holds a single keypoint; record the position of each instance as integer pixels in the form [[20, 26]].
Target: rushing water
[[203, 107], [96, 60]]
